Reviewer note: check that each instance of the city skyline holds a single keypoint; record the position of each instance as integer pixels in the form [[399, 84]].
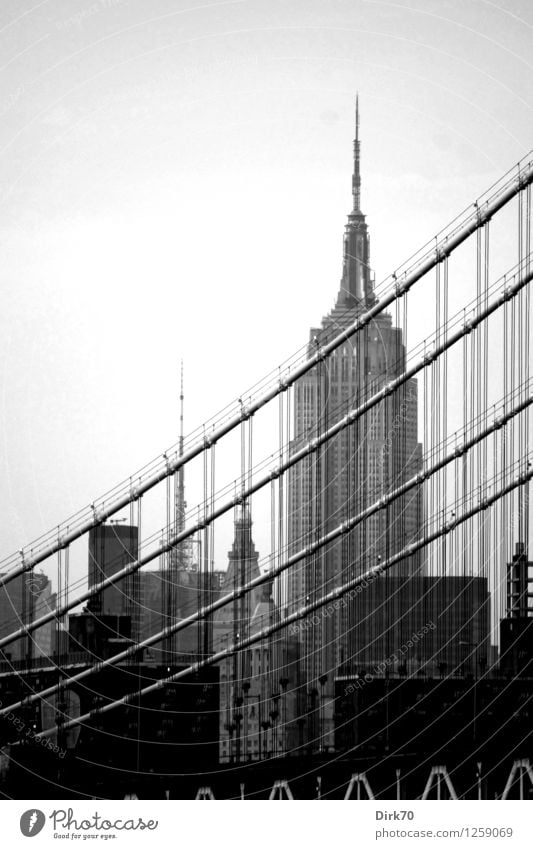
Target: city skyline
[[280, 152], [267, 386]]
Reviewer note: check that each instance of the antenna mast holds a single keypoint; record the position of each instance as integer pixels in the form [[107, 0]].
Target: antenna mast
[[179, 489]]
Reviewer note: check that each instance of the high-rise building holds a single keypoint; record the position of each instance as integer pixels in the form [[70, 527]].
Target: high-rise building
[[151, 598], [364, 461], [418, 626], [111, 548], [26, 598]]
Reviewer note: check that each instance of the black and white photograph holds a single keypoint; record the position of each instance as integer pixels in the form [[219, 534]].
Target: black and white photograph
[[266, 373]]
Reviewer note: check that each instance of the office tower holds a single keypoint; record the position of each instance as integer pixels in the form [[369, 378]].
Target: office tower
[[423, 626], [111, 547], [363, 462], [24, 599]]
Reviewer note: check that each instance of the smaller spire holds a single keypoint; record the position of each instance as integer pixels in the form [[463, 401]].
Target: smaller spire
[[180, 557]]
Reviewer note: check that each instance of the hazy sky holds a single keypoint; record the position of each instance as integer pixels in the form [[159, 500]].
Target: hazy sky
[[175, 178]]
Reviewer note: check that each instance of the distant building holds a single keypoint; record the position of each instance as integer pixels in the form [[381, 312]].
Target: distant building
[[169, 596], [516, 629], [22, 600], [111, 548], [258, 686], [415, 722], [424, 626], [356, 468], [150, 598], [100, 636]]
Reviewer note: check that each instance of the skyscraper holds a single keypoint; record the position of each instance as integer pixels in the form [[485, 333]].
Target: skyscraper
[[112, 546], [26, 598], [354, 469]]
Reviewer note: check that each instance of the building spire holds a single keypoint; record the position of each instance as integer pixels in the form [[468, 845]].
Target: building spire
[[356, 179], [356, 285]]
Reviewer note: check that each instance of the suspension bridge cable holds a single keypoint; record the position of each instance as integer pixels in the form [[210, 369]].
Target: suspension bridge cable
[[508, 294], [442, 249], [329, 537], [330, 597]]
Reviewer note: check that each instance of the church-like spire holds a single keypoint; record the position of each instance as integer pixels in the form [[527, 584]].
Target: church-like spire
[[356, 285]]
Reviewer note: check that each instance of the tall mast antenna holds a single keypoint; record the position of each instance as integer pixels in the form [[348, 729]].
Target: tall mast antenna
[[356, 179], [181, 473], [179, 486]]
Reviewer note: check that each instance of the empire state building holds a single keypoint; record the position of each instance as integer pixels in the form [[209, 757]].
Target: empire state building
[[363, 462]]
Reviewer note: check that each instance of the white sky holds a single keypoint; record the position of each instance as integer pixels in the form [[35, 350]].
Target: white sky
[[174, 181]]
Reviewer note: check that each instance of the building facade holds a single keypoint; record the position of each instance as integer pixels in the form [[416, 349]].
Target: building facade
[[112, 546], [258, 685]]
